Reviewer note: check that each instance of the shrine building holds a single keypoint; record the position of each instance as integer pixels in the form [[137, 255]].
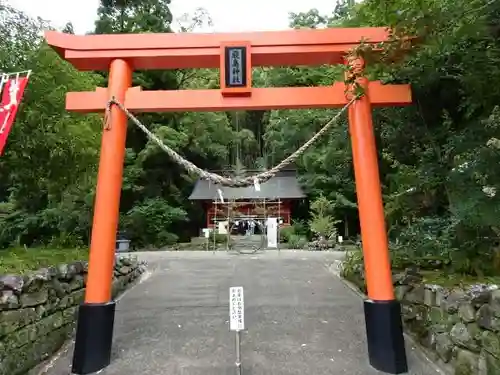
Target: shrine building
[[275, 198]]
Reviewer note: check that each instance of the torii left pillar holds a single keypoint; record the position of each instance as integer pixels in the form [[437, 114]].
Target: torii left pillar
[[94, 334]]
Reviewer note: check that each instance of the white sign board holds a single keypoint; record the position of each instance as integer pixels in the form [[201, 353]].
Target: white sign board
[[272, 232], [206, 232], [222, 227], [341, 239], [236, 309]]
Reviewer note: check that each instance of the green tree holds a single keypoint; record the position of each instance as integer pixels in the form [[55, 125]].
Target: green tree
[[151, 178], [434, 155], [129, 16], [48, 170], [322, 222]]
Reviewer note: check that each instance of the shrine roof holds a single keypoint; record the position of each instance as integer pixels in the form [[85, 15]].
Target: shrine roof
[[284, 186]]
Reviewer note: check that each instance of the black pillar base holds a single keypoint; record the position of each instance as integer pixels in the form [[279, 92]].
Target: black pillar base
[[94, 337], [384, 333]]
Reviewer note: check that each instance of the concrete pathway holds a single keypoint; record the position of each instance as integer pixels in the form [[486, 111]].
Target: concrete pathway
[[301, 318]]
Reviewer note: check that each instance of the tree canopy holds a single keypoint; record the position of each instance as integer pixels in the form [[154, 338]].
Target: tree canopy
[[437, 157]]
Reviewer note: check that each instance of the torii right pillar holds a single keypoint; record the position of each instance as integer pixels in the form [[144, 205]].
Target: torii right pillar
[[384, 329]]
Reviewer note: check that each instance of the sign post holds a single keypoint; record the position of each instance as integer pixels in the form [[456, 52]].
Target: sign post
[[206, 234], [237, 320]]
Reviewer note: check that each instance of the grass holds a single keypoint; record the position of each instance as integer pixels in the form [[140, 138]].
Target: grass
[[350, 248], [440, 277], [451, 280], [20, 261]]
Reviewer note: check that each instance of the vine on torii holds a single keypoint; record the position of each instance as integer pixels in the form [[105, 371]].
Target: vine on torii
[[381, 53]]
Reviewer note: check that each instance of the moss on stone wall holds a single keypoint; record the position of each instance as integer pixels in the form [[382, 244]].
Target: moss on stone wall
[[460, 326], [38, 310]]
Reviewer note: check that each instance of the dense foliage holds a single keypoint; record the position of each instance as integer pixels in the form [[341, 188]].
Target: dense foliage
[[437, 157]]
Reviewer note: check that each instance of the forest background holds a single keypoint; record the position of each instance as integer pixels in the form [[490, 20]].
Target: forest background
[[438, 157]]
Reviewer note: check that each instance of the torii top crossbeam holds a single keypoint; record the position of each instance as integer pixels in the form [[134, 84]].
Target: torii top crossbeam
[[174, 51], [171, 51]]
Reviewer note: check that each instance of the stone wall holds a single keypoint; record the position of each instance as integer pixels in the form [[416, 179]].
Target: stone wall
[[38, 311], [459, 327]]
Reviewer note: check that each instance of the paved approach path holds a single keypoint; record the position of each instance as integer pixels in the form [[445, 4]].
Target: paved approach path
[[301, 318]]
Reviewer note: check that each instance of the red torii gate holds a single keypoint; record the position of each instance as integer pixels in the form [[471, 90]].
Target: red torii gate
[[235, 55]]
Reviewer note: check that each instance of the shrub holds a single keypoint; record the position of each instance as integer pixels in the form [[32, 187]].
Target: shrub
[[322, 223], [352, 264], [219, 238], [297, 241], [286, 233], [301, 227], [324, 226], [298, 228]]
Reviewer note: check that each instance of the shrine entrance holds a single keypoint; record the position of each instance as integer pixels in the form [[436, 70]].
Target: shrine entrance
[[234, 55]]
